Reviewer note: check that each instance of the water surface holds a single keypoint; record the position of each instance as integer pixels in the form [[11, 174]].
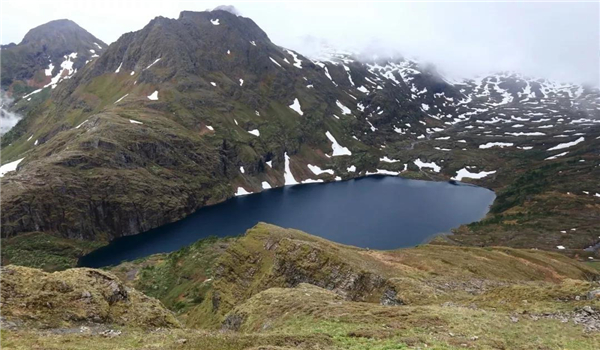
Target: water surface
[[376, 212]]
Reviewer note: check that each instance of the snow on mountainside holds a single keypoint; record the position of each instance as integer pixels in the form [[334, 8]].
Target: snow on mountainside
[[528, 112], [46, 53], [195, 102]]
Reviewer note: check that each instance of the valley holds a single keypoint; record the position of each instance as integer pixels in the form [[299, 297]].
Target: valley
[[225, 192], [141, 138]]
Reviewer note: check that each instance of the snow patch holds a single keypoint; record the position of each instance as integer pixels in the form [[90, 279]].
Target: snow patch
[[345, 110], [119, 100], [567, 144], [49, 70], [287, 175], [496, 144], [431, 165], [272, 60], [297, 61], [557, 155], [464, 173], [296, 107], [153, 96], [388, 160], [8, 167], [241, 192], [318, 171], [338, 150], [153, 63], [254, 132]]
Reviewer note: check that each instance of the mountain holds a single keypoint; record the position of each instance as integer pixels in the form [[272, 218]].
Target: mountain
[[189, 112], [275, 288], [47, 53]]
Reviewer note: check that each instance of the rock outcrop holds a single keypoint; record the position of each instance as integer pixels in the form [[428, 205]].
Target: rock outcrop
[[75, 297]]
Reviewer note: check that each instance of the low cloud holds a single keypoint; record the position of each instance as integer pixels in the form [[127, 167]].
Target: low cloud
[[555, 40], [228, 8], [8, 119]]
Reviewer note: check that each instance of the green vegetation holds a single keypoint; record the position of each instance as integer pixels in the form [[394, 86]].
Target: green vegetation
[[275, 288], [45, 251], [179, 279], [531, 183]]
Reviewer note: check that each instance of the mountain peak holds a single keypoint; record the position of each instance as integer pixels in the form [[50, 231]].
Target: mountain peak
[[45, 53], [57, 30]]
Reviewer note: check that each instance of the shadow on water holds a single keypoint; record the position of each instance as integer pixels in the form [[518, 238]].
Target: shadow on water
[[378, 212]]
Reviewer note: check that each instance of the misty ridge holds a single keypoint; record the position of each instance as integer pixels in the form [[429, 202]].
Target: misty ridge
[[461, 40]]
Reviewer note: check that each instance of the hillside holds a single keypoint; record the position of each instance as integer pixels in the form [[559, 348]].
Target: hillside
[[278, 288], [189, 112], [47, 54]]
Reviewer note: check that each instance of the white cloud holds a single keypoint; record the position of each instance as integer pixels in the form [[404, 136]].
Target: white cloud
[[546, 39]]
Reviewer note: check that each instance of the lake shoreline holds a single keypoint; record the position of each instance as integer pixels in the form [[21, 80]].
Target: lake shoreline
[[282, 192]]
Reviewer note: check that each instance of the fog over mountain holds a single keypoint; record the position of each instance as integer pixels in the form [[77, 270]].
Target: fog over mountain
[[554, 40]]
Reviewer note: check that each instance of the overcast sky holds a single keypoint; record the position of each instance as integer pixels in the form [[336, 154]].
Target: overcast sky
[[546, 39]]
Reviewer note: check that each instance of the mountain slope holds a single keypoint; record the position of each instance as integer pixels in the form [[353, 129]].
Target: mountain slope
[[47, 52], [188, 112], [47, 55]]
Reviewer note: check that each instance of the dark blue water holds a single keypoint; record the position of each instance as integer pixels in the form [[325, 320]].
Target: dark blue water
[[374, 212]]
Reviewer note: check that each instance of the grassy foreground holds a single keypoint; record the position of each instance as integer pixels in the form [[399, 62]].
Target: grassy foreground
[[276, 288]]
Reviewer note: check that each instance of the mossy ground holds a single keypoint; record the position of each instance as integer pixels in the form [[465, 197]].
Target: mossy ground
[[454, 298], [45, 251]]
